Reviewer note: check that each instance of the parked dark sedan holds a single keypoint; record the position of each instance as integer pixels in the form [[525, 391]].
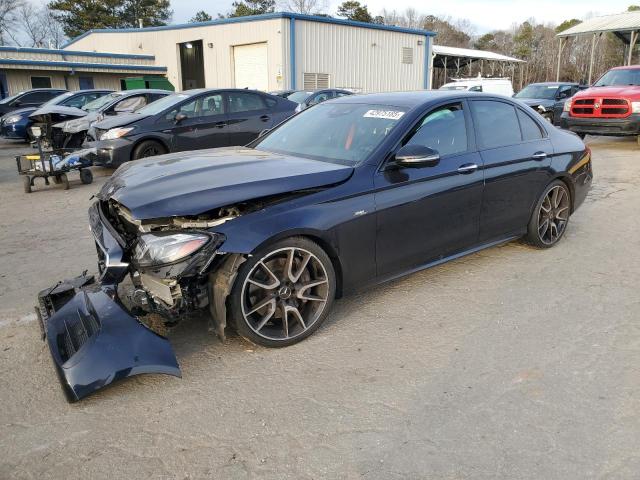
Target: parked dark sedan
[[16, 124], [28, 98], [548, 98], [352, 192], [190, 120]]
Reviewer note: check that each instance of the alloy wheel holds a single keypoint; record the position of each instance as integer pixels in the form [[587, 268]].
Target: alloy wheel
[[285, 293], [553, 215]]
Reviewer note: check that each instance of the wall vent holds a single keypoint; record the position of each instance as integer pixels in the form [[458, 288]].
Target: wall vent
[[407, 55], [315, 81]]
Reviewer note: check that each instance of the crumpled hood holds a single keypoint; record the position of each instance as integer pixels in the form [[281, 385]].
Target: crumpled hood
[[191, 183], [624, 91], [57, 112], [119, 120], [80, 124], [534, 102]]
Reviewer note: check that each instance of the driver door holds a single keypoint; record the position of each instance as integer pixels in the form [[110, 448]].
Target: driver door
[[427, 213]]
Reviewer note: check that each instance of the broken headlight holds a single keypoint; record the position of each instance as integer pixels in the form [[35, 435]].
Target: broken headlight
[[160, 249]]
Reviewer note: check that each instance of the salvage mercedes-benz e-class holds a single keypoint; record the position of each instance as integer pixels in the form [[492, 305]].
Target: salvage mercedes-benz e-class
[[349, 193]]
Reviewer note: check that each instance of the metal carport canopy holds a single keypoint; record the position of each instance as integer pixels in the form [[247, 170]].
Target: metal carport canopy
[[467, 55], [626, 26]]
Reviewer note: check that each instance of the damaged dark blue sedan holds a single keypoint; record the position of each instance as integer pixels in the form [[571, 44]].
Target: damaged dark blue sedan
[[263, 238]]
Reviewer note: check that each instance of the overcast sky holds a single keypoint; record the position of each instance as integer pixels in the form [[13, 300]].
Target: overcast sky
[[485, 15]]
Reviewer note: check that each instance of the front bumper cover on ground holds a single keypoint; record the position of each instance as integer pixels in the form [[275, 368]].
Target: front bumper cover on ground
[[95, 341]]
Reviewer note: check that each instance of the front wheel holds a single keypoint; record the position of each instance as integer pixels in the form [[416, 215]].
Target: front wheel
[[148, 148], [550, 217], [283, 292]]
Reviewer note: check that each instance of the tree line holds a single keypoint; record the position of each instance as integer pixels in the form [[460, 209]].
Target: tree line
[[24, 23]]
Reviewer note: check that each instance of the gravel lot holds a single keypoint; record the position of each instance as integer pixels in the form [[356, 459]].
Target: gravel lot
[[510, 363]]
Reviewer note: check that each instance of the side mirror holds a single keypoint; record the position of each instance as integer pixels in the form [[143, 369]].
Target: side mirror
[[180, 117], [264, 132], [413, 156]]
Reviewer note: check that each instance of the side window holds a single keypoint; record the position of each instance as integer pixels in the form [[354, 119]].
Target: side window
[[210, 105], [564, 92], [477, 88], [341, 94], [496, 123], [155, 96], [36, 97], [321, 97], [130, 104], [530, 129], [244, 102], [188, 109], [271, 102], [442, 129]]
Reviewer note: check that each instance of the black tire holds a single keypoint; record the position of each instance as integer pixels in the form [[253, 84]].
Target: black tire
[[64, 180], [26, 183], [311, 311], [148, 148], [537, 235], [86, 177]]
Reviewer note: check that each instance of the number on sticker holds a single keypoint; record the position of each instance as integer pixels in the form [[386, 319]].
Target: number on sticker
[[387, 114]]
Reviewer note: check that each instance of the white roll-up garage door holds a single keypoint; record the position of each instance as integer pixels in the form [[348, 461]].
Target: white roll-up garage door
[[250, 64]]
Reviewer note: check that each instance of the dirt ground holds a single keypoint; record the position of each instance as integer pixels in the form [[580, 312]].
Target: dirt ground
[[510, 363]]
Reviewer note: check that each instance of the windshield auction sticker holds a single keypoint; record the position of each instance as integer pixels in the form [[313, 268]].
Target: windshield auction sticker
[[387, 114]]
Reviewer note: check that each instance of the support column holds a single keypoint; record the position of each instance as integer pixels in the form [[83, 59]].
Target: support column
[[560, 48], [593, 50], [445, 69], [634, 39]]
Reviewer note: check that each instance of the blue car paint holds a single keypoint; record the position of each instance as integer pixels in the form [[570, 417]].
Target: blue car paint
[[364, 217], [17, 130]]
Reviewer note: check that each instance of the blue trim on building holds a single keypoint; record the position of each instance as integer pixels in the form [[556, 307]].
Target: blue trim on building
[[49, 51], [257, 18], [72, 65], [292, 52], [427, 62]]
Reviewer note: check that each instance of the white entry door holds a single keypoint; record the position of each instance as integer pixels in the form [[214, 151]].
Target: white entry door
[[250, 65]]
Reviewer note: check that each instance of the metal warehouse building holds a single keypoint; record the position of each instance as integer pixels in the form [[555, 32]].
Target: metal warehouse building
[[26, 68], [277, 51]]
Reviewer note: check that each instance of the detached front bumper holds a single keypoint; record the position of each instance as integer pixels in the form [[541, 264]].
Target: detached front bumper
[[93, 339], [603, 126]]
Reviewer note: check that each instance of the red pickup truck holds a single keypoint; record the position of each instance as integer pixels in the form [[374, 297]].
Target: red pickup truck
[[611, 106]]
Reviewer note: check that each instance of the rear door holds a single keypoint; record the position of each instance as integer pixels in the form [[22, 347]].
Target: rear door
[[516, 154], [249, 114]]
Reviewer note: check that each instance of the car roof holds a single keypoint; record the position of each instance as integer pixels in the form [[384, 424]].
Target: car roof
[[412, 99], [553, 84], [627, 67], [45, 90], [198, 91], [143, 90]]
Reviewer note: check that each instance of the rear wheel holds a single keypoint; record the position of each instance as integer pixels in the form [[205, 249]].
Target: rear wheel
[[550, 217], [283, 292], [148, 148]]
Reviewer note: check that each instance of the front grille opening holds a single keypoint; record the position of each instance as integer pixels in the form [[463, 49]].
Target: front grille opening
[[585, 101], [76, 333], [583, 111], [614, 111], [614, 101]]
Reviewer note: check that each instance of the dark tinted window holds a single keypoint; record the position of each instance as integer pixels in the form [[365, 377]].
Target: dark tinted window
[[496, 123], [271, 102], [530, 129], [443, 130], [38, 97], [204, 106], [244, 102], [40, 82]]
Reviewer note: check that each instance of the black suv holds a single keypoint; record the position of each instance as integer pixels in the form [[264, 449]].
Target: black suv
[[547, 98]]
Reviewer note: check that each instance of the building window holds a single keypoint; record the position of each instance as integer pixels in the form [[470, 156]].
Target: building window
[[315, 81], [40, 82], [85, 83], [407, 55]]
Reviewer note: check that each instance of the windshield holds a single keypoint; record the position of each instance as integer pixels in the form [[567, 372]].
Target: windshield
[[162, 104], [98, 103], [547, 92], [9, 99], [299, 97], [339, 133], [619, 77]]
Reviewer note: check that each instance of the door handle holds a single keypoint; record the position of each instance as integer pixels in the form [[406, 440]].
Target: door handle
[[265, 118], [221, 124], [467, 168], [539, 156]]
